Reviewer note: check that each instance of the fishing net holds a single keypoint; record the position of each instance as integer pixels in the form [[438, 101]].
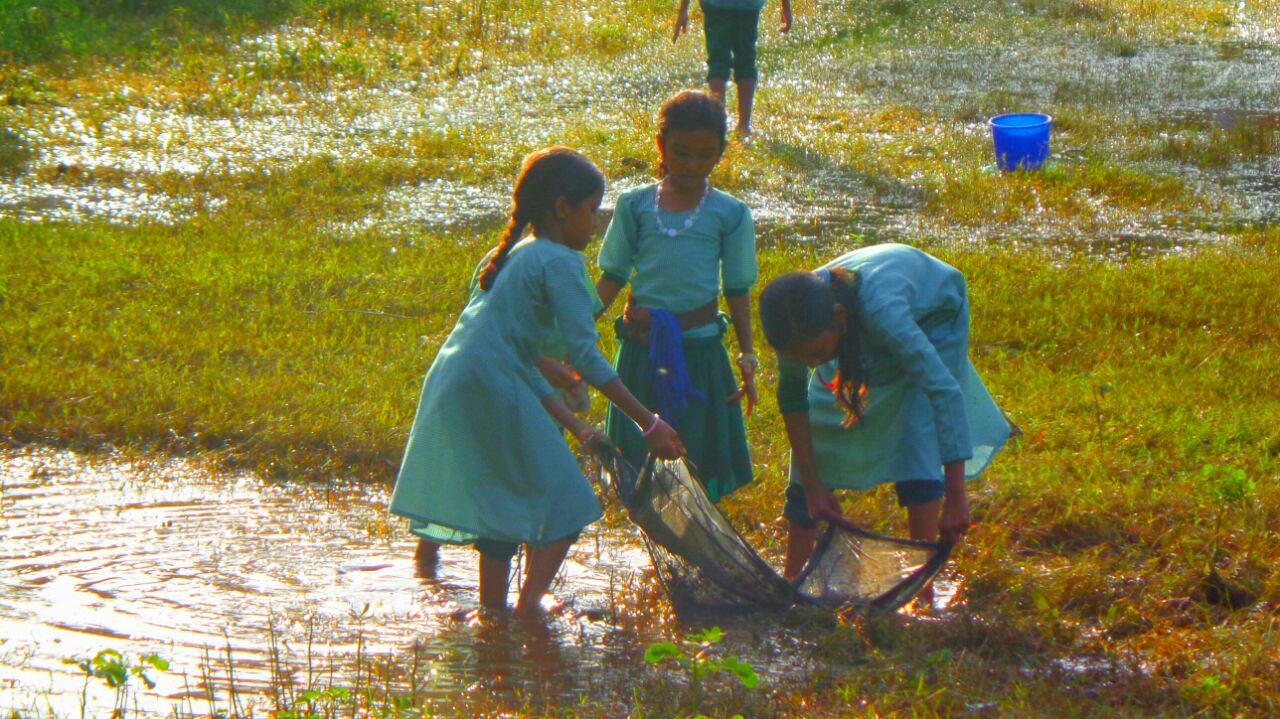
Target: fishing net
[[704, 563]]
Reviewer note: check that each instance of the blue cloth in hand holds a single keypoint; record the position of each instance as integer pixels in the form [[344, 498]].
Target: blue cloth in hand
[[670, 379]]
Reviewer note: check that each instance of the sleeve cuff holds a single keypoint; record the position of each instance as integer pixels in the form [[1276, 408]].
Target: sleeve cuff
[[615, 278]]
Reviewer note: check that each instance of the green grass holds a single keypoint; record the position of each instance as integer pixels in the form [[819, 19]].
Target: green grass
[[259, 336]]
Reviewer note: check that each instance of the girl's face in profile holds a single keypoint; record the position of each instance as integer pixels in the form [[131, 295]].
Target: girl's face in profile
[[578, 221], [820, 348], [690, 156], [815, 351]]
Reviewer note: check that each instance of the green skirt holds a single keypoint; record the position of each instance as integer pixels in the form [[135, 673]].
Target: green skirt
[[712, 431]]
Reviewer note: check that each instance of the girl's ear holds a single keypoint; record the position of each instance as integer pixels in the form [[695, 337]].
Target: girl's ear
[[563, 207]]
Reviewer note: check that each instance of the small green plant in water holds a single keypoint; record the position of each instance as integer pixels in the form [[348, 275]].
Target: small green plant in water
[[118, 672], [696, 654]]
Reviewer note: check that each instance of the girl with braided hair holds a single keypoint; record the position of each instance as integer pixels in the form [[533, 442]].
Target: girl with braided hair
[[875, 386], [485, 463]]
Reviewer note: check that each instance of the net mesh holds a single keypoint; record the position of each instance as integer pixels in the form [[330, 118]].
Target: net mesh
[[705, 564]]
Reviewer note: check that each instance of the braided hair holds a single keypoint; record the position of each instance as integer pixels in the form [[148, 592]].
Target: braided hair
[[545, 176], [799, 306]]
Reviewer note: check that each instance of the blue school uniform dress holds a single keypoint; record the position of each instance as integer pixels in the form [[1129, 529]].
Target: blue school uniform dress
[[484, 460], [680, 273], [925, 404]]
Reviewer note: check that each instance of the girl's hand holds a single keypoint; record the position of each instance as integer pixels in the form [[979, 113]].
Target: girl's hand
[[663, 441], [747, 390], [682, 23], [588, 435], [822, 503], [955, 517]]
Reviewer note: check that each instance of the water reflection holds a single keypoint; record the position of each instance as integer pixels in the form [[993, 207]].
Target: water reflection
[[472, 128], [168, 558], [256, 590]]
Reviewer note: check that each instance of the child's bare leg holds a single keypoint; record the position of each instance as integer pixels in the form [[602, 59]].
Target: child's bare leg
[[426, 556], [717, 86], [544, 562], [800, 542], [922, 522], [746, 97], [493, 582]]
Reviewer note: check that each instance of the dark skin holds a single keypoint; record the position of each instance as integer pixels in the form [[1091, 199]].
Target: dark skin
[[946, 519]]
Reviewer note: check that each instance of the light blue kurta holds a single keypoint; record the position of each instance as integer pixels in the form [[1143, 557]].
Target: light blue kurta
[[925, 404], [484, 459], [682, 273], [553, 344]]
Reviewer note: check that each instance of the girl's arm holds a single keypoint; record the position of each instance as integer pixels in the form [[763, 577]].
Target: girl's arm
[[661, 439], [571, 306], [608, 291], [584, 432], [740, 313], [682, 20], [822, 502]]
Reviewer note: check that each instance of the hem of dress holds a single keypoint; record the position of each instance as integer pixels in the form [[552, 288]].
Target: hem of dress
[[477, 535]]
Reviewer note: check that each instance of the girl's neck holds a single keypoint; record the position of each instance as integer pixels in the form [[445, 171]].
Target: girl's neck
[[680, 199], [550, 231]]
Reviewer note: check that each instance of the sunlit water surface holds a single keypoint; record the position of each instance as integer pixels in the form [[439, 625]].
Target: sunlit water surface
[[261, 587], [516, 108]]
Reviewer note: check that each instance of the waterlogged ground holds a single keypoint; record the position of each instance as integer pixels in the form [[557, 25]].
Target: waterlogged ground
[[254, 589], [223, 241], [871, 122]]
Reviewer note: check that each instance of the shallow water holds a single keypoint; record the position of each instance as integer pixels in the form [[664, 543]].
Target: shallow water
[[264, 587], [169, 559], [809, 94]]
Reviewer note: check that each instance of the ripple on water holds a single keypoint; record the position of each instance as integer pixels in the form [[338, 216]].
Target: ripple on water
[[165, 557], [35, 201]]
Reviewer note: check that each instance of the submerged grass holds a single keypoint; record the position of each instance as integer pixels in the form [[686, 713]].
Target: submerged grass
[[279, 329]]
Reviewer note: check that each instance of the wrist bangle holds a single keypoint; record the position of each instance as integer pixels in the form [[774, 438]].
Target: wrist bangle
[[748, 362], [585, 434], [652, 426]]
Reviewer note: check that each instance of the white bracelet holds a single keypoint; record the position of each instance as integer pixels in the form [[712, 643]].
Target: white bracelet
[[747, 362], [652, 426]]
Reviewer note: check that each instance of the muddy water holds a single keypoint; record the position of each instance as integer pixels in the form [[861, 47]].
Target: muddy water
[[171, 560], [249, 588]]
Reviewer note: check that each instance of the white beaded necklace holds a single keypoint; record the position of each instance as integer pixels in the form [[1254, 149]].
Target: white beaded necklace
[[688, 222]]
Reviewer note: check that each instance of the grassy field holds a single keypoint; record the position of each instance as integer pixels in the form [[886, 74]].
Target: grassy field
[[296, 216]]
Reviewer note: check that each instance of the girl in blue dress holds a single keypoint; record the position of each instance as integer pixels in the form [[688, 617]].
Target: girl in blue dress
[[681, 244], [875, 386], [485, 463]]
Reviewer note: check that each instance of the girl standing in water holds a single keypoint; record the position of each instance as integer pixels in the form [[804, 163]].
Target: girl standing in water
[[485, 464]]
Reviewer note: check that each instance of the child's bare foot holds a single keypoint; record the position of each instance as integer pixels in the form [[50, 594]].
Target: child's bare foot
[[547, 606]]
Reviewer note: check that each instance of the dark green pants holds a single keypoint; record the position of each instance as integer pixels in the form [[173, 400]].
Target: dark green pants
[[731, 42]]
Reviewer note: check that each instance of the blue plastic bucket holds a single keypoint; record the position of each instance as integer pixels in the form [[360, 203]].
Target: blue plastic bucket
[[1021, 140]]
